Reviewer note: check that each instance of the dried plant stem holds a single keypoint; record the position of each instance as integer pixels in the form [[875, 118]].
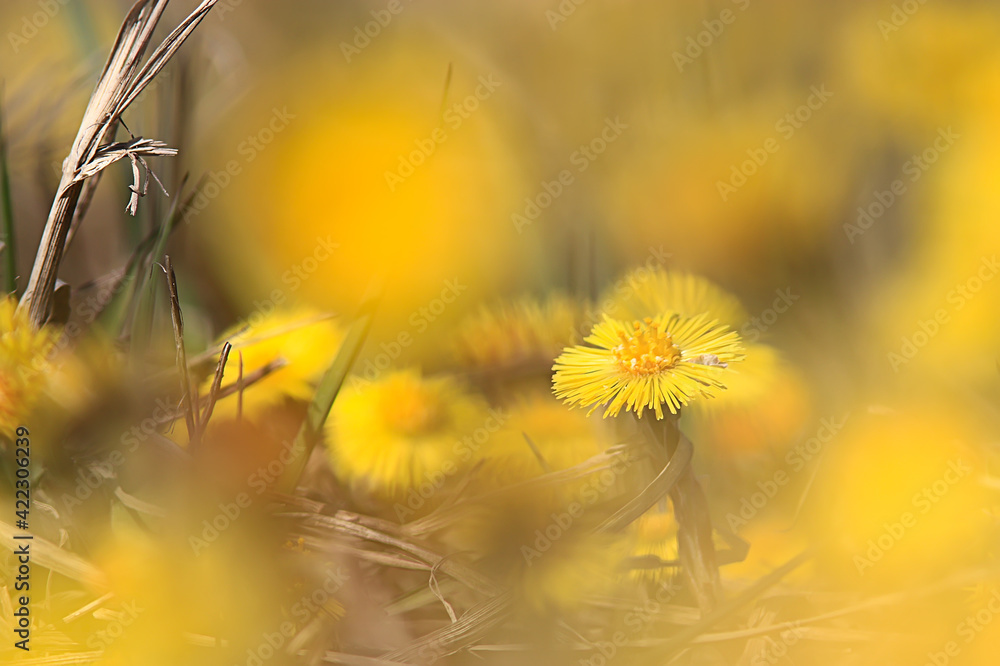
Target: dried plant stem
[[352, 525], [239, 391], [694, 536], [38, 294], [726, 610], [225, 391], [471, 626], [213, 392], [188, 403], [122, 80], [664, 483], [89, 607]]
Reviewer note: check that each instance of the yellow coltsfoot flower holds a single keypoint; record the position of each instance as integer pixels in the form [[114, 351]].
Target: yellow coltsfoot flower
[[650, 292], [521, 331], [24, 353], [403, 432], [645, 364], [302, 341], [763, 410], [541, 436]]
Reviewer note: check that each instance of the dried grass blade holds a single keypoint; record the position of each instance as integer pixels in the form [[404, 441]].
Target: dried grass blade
[[213, 392], [117, 87], [159, 58], [728, 608], [470, 627], [46, 554], [182, 366], [651, 494], [345, 523]]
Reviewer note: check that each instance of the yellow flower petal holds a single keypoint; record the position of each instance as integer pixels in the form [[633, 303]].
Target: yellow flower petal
[[643, 365]]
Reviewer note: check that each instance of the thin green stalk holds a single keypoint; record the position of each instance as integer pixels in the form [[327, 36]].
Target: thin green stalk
[[136, 280], [7, 208], [326, 393]]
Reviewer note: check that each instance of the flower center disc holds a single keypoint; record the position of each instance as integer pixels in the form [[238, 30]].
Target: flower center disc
[[412, 412], [647, 351]]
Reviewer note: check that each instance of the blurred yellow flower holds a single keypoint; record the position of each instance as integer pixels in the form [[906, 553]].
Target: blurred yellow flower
[[24, 362], [560, 439], [764, 405], [540, 436], [504, 520], [763, 409], [738, 193], [655, 536], [405, 431], [520, 332], [376, 168], [80, 373], [944, 295], [154, 615], [665, 359], [899, 492], [773, 540], [304, 341], [647, 292], [922, 70], [562, 573]]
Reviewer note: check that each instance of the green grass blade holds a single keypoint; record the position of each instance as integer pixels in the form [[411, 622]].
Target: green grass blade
[[326, 393], [146, 288], [137, 275], [7, 210]]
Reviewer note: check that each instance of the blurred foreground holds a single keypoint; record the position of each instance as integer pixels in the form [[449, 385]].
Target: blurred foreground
[[777, 219]]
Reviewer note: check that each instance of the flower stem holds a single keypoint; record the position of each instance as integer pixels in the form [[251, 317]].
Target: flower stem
[[694, 537]]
